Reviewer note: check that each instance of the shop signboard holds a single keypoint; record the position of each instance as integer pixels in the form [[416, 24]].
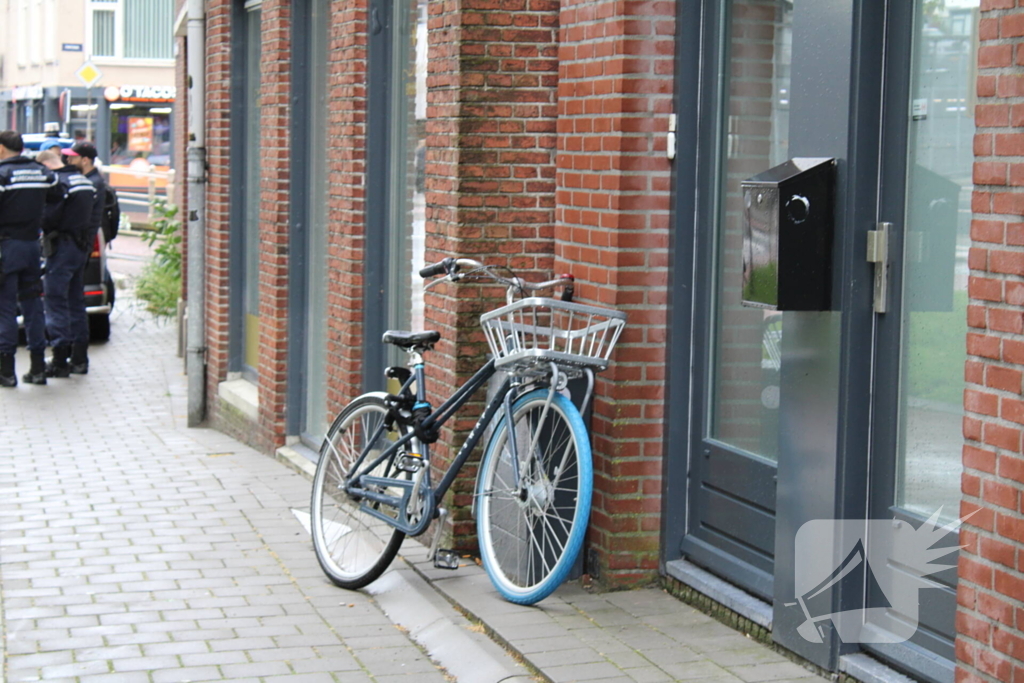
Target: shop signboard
[[140, 133], [140, 93]]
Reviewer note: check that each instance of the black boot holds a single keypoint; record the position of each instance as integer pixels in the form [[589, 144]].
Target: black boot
[[79, 363], [7, 376], [37, 372], [58, 365]]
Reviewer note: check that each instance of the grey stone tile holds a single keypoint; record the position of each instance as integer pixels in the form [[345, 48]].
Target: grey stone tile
[[777, 671]]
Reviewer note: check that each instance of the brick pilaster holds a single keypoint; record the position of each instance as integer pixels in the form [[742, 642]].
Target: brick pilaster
[[346, 138], [490, 176], [274, 148], [615, 85], [990, 613], [218, 144]]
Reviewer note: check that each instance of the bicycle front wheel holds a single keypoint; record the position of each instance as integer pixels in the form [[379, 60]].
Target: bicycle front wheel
[[531, 533], [353, 546]]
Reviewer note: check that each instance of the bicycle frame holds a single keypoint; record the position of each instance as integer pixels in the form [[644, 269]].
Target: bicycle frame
[[358, 482]]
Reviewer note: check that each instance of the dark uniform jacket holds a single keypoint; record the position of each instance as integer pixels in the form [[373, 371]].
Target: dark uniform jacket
[[96, 219], [72, 214], [24, 186]]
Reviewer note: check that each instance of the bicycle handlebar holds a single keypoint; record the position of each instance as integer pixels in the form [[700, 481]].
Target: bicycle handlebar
[[437, 268], [452, 266]]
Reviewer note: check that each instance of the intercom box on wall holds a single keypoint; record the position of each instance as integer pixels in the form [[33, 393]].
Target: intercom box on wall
[[788, 223]]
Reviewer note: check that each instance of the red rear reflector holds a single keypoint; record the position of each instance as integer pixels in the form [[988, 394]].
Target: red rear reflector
[[93, 292]]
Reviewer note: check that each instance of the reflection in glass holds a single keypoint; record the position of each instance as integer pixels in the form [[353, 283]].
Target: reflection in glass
[[407, 200], [251, 194], [937, 239], [315, 423], [746, 343]]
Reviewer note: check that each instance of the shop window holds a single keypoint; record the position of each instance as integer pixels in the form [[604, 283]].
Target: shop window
[[247, 267], [407, 146], [132, 29]]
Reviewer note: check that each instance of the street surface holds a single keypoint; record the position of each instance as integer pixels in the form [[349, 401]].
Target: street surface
[[135, 549]]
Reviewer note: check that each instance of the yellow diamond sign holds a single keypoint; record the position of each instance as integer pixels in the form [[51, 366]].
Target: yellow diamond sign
[[89, 74]]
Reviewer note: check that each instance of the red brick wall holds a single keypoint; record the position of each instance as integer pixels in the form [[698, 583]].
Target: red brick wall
[[990, 615], [615, 94], [218, 141], [274, 150], [346, 139], [490, 179]]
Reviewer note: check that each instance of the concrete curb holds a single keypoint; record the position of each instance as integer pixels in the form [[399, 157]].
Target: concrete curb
[[448, 638]]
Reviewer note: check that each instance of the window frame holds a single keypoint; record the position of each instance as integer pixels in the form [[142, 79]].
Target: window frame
[[117, 7]]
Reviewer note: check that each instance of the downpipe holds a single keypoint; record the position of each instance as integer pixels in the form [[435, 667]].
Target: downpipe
[[195, 351]]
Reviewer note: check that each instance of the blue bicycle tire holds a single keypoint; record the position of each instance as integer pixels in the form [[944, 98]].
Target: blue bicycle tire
[[505, 516]]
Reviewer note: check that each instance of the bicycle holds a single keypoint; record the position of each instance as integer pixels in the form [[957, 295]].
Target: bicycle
[[373, 484]]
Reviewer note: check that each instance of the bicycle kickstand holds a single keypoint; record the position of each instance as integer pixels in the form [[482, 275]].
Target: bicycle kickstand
[[442, 558]]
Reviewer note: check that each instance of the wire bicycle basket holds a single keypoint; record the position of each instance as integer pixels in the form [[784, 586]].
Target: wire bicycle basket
[[536, 331]]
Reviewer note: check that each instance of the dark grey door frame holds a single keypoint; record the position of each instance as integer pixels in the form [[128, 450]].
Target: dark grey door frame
[[237, 190], [298, 213], [936, 631], [690, 26], [378, 180], [837, 90]]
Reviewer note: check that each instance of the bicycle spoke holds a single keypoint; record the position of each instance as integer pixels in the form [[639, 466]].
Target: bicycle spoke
[[352, 545]]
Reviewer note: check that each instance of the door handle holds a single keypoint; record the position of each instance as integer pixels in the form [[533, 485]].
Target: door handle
[[878, 254]]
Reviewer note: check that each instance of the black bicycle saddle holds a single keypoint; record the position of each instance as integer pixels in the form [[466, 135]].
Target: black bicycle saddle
[[411, 340]]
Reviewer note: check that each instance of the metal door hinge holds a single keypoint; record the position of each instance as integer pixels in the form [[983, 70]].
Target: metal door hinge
[[878, 253], [670, 140]]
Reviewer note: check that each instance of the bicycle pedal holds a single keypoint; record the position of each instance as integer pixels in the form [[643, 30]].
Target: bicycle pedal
[[446, 559], [409, 462]]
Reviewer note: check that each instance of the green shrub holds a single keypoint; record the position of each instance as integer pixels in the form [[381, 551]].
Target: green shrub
[[160, 283], [160, 288]]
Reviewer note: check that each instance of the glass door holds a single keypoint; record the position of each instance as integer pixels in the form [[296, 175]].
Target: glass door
[[314, 420], [925, 193], [408, 146], [732, 489], [250, 265]]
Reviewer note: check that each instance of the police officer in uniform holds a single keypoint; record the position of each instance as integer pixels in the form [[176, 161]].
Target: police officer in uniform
[[24, 187], [82, 155], [65, 246]]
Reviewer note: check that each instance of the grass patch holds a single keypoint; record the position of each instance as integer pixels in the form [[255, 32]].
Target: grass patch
[[160, 288]]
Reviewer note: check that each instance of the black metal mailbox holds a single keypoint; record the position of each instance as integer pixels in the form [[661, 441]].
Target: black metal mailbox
[[788, 219]]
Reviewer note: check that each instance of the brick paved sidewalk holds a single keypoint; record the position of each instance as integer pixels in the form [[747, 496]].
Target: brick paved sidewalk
[[135, 549]]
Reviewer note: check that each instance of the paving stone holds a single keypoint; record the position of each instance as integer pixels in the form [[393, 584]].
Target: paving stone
[[769, 672], [129, 554]]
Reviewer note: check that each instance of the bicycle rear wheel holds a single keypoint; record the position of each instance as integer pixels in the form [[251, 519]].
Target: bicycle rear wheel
[[352, 546], [530, 535]]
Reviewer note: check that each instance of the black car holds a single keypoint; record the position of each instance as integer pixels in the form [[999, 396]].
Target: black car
[[99, 291]]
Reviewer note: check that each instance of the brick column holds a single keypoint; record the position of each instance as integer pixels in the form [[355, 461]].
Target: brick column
[[990, 614], [346, 138], [218, 145], [615, 94], [274, 148], [490, 178]]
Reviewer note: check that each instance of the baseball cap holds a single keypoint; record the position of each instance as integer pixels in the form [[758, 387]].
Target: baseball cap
[[48, 144], [82, 149]]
